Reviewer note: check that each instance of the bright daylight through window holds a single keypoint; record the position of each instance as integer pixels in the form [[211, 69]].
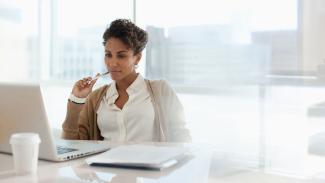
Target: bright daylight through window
[[250, 73]]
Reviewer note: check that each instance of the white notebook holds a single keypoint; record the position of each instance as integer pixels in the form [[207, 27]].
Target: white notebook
[[139, 156]]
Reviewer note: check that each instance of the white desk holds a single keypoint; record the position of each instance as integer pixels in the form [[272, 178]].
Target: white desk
[[204, 167]]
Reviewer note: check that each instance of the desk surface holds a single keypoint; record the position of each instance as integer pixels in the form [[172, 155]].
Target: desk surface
[[205, 166]]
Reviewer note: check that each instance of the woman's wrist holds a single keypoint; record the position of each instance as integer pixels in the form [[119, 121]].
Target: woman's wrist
[[77, 100]]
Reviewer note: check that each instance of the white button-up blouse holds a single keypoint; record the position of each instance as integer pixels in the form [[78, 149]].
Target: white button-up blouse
[[135, 121]]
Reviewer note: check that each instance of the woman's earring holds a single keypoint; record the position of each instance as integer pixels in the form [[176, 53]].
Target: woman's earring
[[136, 66]]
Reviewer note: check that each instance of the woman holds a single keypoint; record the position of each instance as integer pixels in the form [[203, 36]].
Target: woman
[[131, 108]]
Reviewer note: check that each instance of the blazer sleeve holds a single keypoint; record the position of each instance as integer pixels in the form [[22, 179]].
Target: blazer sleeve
[[76, 123], [173, 112]]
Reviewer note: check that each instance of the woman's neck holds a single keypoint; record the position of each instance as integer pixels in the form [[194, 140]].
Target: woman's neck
[[126, 82]]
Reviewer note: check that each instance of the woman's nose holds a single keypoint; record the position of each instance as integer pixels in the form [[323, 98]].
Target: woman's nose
[[112, 62]]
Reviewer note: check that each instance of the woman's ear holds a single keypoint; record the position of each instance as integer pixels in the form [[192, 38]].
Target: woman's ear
[[138, 58]]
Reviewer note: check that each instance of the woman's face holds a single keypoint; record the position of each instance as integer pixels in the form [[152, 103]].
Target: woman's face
[[120, 59]]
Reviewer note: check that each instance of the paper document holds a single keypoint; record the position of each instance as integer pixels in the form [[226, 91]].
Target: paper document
[[139, 156]]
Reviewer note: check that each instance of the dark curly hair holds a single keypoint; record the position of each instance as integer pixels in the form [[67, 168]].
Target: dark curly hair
[[130, 34]]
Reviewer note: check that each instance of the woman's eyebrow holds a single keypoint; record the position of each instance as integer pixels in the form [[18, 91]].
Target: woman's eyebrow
[[122, 51]]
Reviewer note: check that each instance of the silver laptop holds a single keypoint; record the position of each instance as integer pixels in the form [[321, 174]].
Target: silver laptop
[[22, 110]]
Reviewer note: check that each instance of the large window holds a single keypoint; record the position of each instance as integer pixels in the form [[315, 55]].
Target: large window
[[212, 43], [19, 35], [77, 36], [227, 56]]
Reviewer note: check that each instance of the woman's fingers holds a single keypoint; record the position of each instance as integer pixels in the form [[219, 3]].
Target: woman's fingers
[[82, 87], [93, 81], [84, 82]]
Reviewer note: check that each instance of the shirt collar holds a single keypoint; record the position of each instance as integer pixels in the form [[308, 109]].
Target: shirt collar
[[111, 91], [137, 86]]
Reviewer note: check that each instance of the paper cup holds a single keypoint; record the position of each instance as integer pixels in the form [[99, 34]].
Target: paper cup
[[25, 151]]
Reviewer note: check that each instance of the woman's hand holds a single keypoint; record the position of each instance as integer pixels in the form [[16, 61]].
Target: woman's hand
[[83, 87]]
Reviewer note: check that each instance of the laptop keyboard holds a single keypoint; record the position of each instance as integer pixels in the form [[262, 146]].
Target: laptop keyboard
[[62, 149]]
